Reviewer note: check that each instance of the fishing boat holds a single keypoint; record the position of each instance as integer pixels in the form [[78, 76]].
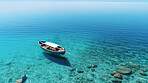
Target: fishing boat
[[51, 47]]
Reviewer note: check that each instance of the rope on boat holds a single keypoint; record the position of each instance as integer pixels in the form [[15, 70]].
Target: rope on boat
[[68, 52]]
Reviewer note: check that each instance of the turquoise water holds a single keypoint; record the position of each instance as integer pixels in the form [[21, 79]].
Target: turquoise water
[[106, 38]]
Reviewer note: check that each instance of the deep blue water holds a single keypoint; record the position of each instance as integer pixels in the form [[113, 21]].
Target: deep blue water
[[105, 38]]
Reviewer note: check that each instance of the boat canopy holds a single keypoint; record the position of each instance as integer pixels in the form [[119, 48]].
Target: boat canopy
[[51, 44]]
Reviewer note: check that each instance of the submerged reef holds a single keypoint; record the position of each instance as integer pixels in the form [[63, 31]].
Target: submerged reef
[[128, 71], [22, 79], [45, 71], [121, 74]]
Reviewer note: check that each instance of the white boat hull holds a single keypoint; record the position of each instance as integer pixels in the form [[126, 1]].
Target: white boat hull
[[51, 51]]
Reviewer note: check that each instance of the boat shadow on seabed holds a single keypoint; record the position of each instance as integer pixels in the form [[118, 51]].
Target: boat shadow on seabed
[[57, 59]]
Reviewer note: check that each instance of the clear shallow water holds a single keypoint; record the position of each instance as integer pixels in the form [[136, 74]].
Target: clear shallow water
[[107, 39]]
